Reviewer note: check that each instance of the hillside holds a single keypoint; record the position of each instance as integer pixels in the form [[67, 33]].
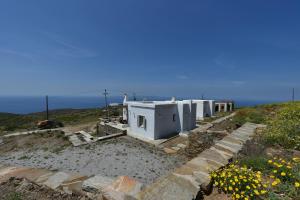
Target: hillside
[[13, 122]]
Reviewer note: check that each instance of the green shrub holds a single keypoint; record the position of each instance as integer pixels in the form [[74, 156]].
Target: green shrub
[[257, 163], [254, 115], [284, 128], [13, 196]]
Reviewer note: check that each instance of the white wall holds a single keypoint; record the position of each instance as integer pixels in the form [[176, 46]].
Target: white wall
[[149, 114], [205, 108], [164, 125], [159, 119]]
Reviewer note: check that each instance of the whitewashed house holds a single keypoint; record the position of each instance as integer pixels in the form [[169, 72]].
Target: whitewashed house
[[224, 106], [205, 108], [159, 119]]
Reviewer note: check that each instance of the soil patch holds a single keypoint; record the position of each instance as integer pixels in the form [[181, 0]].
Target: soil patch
[[50, 141]]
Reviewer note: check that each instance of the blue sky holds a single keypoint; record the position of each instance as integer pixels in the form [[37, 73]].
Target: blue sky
[[222, 49]]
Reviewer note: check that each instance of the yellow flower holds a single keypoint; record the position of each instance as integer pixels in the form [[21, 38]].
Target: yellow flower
[[237, 196], [229, 188], [248, 187], [270, 161], [274, 183], [256, 192], [263, 192], [296, 159], [275, 171], [297, 184], [246, 198], [283, 174]]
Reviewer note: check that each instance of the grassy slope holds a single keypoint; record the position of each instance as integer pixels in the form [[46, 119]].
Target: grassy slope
[[12, 122]]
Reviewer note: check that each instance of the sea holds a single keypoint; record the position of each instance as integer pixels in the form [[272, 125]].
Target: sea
[[31, 104]]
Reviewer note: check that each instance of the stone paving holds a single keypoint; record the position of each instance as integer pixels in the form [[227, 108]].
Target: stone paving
[[109, 188], [186, 181]]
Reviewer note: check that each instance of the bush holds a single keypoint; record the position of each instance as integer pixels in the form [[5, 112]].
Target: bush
[[284, 128], [256, 163], [253, 115], [240, 182], [278, 179]]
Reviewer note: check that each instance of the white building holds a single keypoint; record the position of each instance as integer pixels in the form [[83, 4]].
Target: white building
[[224, 106], [205, 108], [159, 119]]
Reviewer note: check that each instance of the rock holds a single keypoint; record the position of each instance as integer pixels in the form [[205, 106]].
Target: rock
[[73, 184], [56, 180], [175, 148], [121, 188], [169, 151], [272, 152], [96, 183], [169, 188], [296, 154], [182, 146]]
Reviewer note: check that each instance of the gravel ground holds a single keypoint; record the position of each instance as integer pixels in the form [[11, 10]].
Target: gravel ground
[[114, 157]]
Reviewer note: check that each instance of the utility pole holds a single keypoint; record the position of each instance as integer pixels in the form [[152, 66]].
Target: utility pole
[[106, 104], [47, 108], [293, 95], [107, 113], [202, 97], [134, 97]]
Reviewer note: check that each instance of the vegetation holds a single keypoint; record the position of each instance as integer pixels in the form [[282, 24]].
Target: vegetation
[[257, 176], [240, 181], [13, 196], [284, 127], [13, 122]]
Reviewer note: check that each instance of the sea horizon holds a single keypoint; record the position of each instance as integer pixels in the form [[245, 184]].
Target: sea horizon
[[32, 104]]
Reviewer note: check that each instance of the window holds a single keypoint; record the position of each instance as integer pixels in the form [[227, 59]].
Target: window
[[141, 121], [174, 117]]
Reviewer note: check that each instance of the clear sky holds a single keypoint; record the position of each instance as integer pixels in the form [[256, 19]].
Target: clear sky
[[222, 49]]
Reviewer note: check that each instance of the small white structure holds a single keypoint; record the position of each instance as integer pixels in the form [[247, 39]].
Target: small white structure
[[159, 119], [205, 108], [224, 106]]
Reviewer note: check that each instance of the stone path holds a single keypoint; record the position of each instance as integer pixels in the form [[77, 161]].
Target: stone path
[[31, 132], [82, 138], [185, 182], [112, 189], [202, 128]]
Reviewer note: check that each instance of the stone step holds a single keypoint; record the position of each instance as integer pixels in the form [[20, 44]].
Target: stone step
[[231, 144], [123, 187], [214, 155], [229, 155], [227, 148], [56, 179], [96, 183], [232, 139]]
